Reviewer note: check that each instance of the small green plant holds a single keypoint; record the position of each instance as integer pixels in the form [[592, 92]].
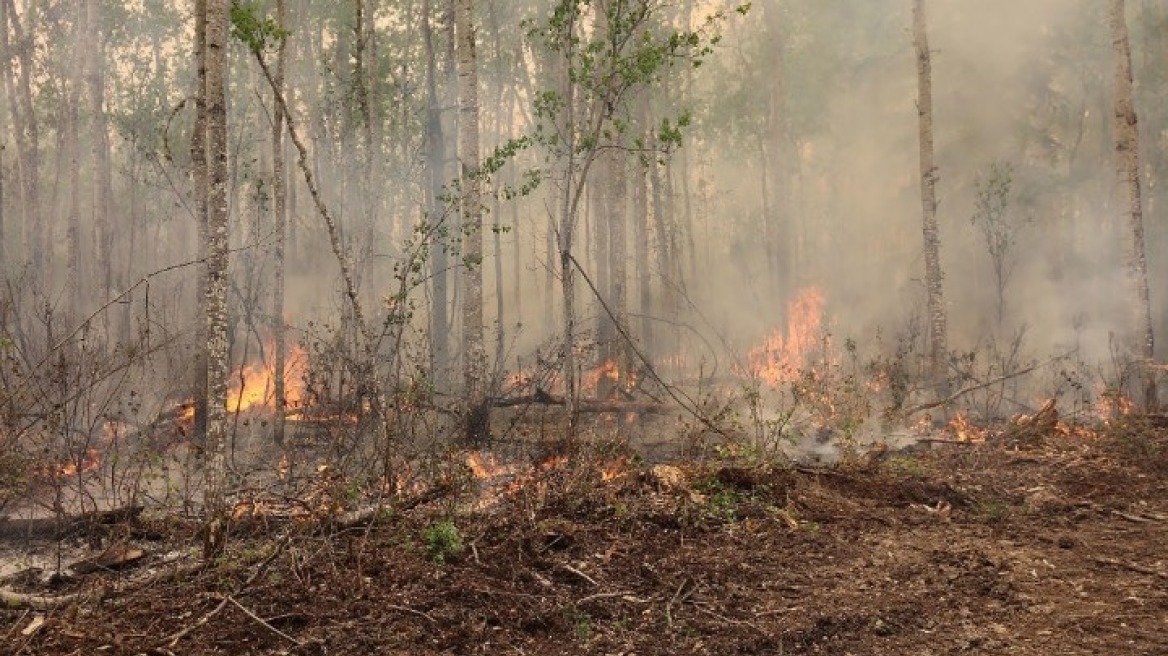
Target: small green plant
[[905, 467], [992, 510], [443, 541], [724, 504], [581, 625]]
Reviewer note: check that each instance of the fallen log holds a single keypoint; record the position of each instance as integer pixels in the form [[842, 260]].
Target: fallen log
[[541, 397]]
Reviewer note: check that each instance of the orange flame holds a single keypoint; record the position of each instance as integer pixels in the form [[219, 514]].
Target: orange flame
[[787, 349], [254, 385], [89, 463]]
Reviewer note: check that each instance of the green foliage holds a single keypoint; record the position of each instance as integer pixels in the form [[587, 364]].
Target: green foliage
[[634, 50], [443, 541], [257, 32]]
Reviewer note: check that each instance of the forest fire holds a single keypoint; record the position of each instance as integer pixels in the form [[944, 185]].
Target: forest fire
[[788, 348], [90, 462], [253, 386]]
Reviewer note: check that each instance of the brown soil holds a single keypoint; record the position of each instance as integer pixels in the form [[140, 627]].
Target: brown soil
[[1055, 545]]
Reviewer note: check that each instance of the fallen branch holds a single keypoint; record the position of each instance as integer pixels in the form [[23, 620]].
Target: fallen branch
[[586, 405], [14, 600]]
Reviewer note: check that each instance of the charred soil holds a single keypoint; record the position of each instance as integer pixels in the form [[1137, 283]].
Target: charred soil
[[1053, 544]]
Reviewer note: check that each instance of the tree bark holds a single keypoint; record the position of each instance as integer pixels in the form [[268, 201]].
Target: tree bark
[[102, 190], [27, 143], [216, 293], [437, 222], [280, 208], [474, 350], [1127, 164], [199, 180], [938, 347]]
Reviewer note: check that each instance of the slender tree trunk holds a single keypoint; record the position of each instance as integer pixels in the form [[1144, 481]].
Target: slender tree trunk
[[280, 207], [641, 225], [18, 127], [99, 143], [474, 350], [72, 144], [199, 175], [938, 347], [436, 219], [569, 197], [618, 270], [216, 293], [27, 143], [1127, 164]]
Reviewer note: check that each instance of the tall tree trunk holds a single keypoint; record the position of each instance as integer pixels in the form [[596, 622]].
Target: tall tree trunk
[[474, 350], [280, 207], [1127, 164], [99, 144], [938, 347], [216, 293], [199, 180], [565, 228], [72, 144], [27, 143], [436, 219]]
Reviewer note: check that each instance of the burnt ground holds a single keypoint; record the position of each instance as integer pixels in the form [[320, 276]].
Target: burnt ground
[[1044, 544]]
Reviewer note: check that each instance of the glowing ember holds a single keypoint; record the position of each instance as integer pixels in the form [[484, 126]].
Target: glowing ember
[[788, 348], [89, 463]]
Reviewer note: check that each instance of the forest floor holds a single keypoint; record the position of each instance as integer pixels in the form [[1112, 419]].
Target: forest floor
[[1031, 542]]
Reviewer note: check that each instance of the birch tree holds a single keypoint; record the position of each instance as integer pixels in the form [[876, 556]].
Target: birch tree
[[216, 21], [934, 286], [280, 209], [474, 350], [1127, 165]]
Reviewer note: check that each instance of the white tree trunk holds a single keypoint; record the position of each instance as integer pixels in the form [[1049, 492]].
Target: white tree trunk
[[216, 293], [280, 207], [474, 350]]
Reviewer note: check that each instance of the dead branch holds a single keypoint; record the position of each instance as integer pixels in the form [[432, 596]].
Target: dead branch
[[972, 388], [13, 599], [688, 404], [173, 639]]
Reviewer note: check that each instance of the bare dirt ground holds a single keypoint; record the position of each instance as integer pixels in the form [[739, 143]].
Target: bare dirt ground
[[1031, 543]]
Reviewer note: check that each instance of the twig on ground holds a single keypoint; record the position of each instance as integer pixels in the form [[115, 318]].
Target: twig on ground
[[264, 623], [411, 611], [582, 575], [173, 639], [627, 596]]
